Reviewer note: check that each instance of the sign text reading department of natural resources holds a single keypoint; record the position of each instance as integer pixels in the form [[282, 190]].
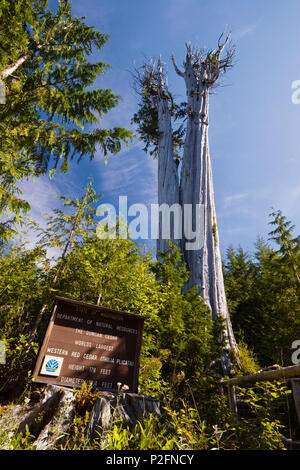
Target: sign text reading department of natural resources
[[88, 343]]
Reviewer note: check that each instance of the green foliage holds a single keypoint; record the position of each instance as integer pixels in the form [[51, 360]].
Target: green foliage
[[248, 360], [146, 121], [185, 326], [181, 345], [151, 381], [78, 440], [52, 112], [22, 441], [263, 294], [15, 374], [85, 398], [184, 429], [176, 430], [261, 431], [63, 231], [150, 434], [289, 247], [21, 272]]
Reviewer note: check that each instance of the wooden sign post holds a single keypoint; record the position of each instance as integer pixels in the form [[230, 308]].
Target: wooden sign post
[[88, 343]]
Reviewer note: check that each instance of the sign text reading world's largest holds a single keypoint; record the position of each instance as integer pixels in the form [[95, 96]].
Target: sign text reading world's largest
[[89, 343]]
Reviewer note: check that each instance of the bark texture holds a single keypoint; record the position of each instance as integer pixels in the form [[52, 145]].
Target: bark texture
[[201, 72], [168, 181], [151, 83]]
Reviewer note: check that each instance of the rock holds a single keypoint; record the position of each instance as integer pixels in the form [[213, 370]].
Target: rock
[[49, 415], [56, 431]]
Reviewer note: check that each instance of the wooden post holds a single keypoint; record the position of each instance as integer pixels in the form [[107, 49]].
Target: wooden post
[[232, 399], [296, 394], [279, 374], [269, 375]]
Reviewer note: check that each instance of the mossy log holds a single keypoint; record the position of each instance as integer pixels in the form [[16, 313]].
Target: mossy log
[[49, 415]]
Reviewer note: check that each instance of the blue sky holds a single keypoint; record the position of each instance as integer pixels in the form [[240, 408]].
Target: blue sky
[[254, 126]]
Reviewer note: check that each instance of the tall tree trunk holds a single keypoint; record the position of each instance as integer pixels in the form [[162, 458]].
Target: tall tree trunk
[[196, 187], [195, 191], [168, 182]]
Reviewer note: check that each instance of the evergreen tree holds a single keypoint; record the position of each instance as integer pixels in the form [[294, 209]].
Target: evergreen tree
[[263, 294], [186, 342], [22, 275], [63, 230], [240, 276], [289, 247]]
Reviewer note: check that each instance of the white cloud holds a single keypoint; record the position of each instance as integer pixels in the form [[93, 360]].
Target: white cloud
[[245, 31], [41, 194], [295, 193], [234, 198], [133, 173]]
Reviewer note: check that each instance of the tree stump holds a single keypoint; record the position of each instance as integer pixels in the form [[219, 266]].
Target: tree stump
[[50, 411]]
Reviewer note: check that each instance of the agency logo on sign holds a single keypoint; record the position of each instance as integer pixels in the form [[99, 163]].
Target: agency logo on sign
[[52, 365]]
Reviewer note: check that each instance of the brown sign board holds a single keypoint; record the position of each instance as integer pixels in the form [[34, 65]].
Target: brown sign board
[[85, 342]]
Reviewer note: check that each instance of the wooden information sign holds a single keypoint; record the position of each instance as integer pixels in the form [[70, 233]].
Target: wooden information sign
[[85, 342]]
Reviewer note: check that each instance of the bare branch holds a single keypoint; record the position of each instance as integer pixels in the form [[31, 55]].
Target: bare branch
[[221, 45], [150, 79], [181, 74]]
